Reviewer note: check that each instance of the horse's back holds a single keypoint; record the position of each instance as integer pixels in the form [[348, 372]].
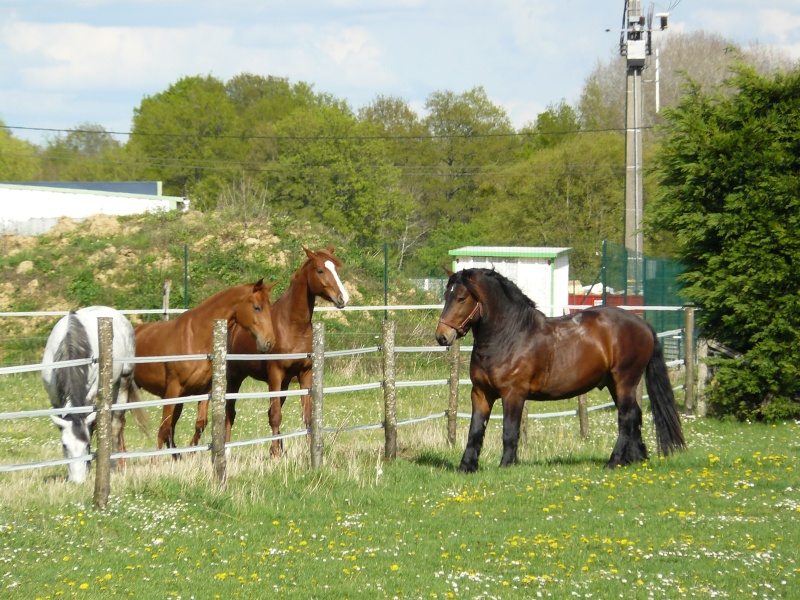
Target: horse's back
[[614, 319], [624, 336]]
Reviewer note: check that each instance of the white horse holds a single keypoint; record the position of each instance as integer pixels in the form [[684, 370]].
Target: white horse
[[76, 336]]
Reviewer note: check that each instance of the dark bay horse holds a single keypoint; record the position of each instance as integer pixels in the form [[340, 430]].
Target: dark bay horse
[[76, 336], [317, 277], [520, 354], [192, 332]]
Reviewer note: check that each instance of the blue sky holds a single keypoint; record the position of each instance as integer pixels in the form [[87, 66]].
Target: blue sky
[[69, 62]]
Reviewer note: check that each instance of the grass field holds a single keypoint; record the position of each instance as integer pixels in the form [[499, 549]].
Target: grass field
[[721, 520]]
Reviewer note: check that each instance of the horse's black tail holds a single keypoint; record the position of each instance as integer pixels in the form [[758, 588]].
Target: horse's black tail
[[669, 436]]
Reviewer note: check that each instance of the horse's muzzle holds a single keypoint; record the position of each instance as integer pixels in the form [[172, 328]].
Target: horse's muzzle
[[340, 302], [445, 335], [265, 346]]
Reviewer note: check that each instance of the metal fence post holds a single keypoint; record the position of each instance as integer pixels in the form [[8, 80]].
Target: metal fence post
[[218, 387], [452, 405], [688, 361], [389, 396], [102, 478], [317, 382]]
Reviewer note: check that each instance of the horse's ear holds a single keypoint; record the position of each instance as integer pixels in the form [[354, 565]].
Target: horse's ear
[[308, 252], [261, 286], [60, 422], [448, 271], [330, 248]]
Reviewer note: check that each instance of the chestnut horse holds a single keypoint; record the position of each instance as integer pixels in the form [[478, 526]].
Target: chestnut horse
[[520, 354], [192, 332], [318, 276]]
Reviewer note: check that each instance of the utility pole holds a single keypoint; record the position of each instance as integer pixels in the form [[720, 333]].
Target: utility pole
[[635, 45]]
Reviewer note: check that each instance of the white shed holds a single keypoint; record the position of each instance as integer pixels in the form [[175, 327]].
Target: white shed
[[542, 273]]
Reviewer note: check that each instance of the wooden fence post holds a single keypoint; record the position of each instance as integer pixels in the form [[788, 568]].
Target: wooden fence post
[[688, 362], [317, 383], [583, 415], [389, 396], [452, 405], [165, 300], [102, 477], [218, 387]]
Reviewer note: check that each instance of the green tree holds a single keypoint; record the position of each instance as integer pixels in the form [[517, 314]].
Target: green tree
[[552, 126], [87, 153], [334, 170], [19, 160], [570, 194], [471, 136], [190, 135], [408, 145], [729, 170]]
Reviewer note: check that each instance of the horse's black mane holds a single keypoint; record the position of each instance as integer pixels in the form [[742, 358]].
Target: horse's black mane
[[72, 382], [518, 309], [509, 289]]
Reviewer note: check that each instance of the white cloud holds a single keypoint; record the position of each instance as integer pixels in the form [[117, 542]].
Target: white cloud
[[780, 23]]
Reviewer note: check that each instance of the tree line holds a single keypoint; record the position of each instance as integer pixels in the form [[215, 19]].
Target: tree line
[[461, 174]]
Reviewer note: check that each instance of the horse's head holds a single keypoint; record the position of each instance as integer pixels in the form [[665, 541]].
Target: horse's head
[[76, 435], [322, 273], [254, 314], [461, 310]]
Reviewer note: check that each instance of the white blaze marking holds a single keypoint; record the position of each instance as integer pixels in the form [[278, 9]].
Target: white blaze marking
[[332, 268]]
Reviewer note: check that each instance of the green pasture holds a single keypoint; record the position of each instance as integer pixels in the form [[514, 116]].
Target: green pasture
[[719, 520]]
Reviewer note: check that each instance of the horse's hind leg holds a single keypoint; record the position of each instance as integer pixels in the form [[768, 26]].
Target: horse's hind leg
[[630, 447], [512, 418]]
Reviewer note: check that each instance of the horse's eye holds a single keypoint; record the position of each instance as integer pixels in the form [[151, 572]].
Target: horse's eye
[[257, 307], [320, 271], [462, 299]]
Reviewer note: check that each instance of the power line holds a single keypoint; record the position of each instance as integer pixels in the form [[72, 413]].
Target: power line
[[317, 137]]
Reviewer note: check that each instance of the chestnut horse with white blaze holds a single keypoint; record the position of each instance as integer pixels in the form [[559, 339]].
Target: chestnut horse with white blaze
[[520, 354], [192, 332], [317, 277]]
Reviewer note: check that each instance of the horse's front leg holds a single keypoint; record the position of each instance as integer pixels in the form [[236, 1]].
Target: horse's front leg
[[275, 378], [481, 409], [233, 387], [512, 419]]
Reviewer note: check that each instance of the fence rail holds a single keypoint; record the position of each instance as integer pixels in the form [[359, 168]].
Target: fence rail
[[388, 383]]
